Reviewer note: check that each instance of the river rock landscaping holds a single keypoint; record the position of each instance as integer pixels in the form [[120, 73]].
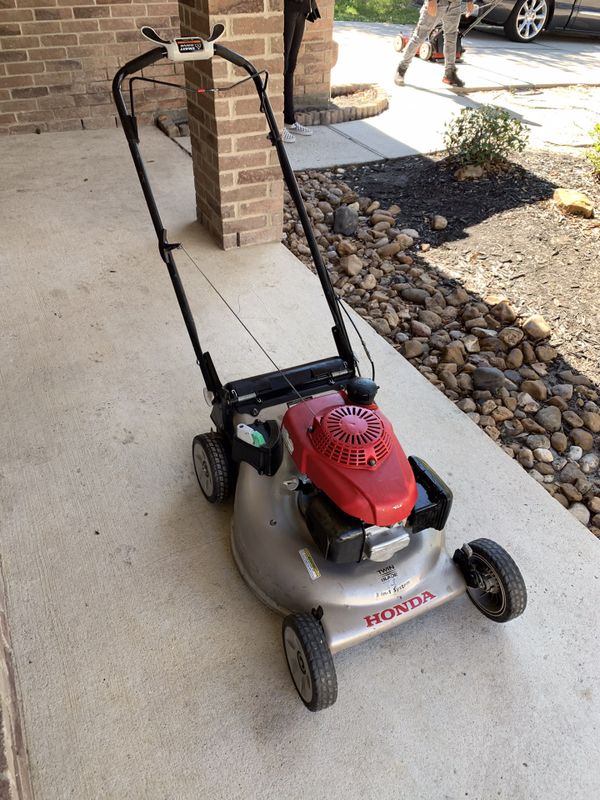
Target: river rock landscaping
[[488, 288]]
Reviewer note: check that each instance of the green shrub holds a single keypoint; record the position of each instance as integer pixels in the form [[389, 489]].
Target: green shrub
[[594, 153], [396, 11], [484, 136]]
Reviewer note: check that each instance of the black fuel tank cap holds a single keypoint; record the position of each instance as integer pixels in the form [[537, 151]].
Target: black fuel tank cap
[[361, 391]]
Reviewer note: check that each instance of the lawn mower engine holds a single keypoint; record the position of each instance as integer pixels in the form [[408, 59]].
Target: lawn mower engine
[[360, 490]]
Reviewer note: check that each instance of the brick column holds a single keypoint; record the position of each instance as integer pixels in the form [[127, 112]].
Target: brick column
[[312, 79], [239, 188]]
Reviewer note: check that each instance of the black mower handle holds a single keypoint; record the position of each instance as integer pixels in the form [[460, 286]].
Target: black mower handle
[[194, 48]]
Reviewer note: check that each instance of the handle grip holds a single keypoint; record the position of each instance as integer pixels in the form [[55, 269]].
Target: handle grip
[[186, 48]]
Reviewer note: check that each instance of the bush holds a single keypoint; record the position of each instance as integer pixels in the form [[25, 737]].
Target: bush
[[484, 136], [594, 153]]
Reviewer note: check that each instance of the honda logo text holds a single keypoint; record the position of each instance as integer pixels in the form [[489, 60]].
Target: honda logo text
[[402, 608]]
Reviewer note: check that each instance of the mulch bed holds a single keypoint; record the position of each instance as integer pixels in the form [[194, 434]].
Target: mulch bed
[[505, 235]]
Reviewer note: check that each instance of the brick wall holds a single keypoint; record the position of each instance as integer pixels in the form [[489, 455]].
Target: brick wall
[[58, 57]]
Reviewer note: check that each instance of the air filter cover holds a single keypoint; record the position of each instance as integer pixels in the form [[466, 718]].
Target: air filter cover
[[353, 436]]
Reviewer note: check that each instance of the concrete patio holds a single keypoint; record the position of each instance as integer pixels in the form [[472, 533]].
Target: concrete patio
[[145, 667]]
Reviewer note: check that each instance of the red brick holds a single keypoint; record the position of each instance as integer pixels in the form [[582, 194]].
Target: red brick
[[29, 91], [59, 39], [58, 66], [16, 105], [7, 119], [252, 192], [237, 7], [20, 42], [13, 55], [88, 12], [49, 53], [258, 175], [17, 80], [40, 27], [33, 3], [70, 113], [97, 37], [95, 124], [266, 234], [27, 128], [53, 78], [245, 26], [244, 144], [80, 25], [15, 15], [58, 101], [53, 13], [21, 68], [10, 30], [133, 10], [83, 51], [273, 206]]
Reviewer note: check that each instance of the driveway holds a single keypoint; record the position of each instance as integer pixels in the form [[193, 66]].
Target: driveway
[[495, 71]]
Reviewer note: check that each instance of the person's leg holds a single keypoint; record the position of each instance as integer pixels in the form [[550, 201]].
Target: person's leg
[[424, 27], [450, 22], [293, 31]]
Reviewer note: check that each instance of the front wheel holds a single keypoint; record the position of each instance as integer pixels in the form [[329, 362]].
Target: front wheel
[[310, 661], [527, 20], [399, 43], [494, 582]]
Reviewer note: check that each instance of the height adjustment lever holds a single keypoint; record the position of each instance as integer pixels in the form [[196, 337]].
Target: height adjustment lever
[[186, 48]]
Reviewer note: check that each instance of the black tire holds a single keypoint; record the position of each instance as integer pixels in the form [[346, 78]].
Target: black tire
[[310, 661], [213, 467], [505, 594], [516, 26]]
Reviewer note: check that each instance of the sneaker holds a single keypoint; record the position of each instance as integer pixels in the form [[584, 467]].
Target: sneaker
[[301, 129], [451, 79], [287, 137], [399, 77]]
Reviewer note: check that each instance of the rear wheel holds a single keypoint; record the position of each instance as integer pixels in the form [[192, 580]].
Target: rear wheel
[[500, 592], [426, 51], [310, 661], [527, 20], [213, 467]]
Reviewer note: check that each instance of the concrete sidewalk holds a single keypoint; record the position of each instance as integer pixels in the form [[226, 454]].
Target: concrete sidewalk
[[145, 666], [419, 111]]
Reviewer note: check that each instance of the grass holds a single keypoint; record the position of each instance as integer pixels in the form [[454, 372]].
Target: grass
[[396, 11]]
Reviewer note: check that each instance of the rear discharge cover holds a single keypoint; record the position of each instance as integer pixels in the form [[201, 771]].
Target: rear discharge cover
[[350, 453]]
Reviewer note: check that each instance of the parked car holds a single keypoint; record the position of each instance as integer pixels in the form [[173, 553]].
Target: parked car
[[524, 20]]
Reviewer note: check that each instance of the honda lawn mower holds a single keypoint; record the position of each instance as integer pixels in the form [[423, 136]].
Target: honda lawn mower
[[333, 526], [432, 49]]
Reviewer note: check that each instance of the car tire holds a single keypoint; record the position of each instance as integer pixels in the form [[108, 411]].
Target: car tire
[[527, 20]]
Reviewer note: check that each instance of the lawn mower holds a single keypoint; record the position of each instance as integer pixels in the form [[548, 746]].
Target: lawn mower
[[333, 526], [432, 49]]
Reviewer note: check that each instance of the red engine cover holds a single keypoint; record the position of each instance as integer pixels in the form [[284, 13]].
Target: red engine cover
[[351, 453]]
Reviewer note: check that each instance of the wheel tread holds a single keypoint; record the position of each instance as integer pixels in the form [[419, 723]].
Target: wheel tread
[[319, 658], [510, 575], [220, 465]]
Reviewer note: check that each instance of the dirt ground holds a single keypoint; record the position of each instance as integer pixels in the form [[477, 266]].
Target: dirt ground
[[506, 236]]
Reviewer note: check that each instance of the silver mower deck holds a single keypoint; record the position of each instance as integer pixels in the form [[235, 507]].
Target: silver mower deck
[[280, 562]]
